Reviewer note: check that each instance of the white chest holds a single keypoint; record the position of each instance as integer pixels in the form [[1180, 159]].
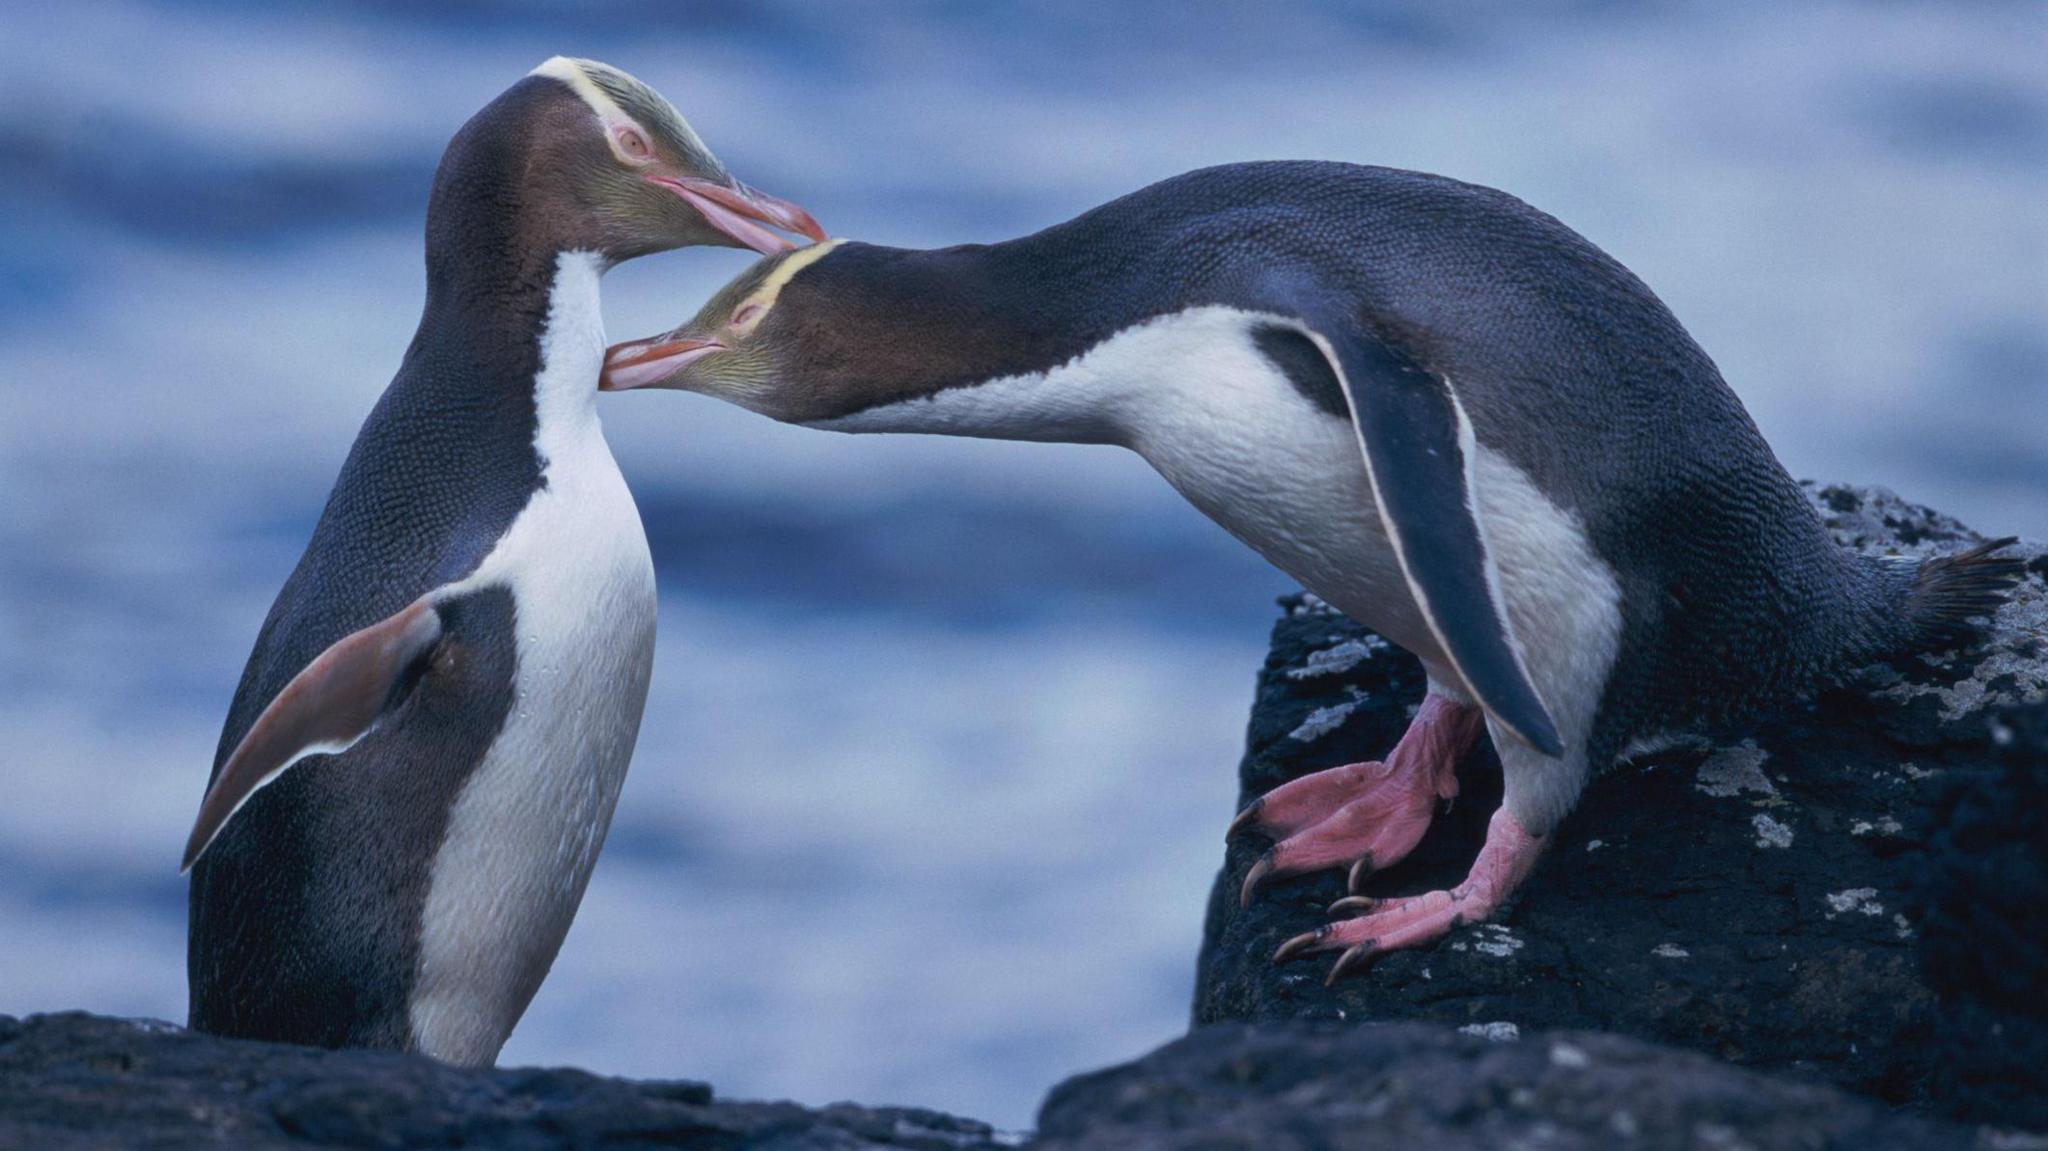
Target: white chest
[[1192, 393], [1228, 429], [1240, 441], [526, 829]]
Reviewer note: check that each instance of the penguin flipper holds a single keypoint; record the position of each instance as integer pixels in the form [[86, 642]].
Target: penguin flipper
[[1418, 448], [338, 699]]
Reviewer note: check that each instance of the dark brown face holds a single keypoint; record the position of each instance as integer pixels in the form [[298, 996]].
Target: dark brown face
[[616, 169], [822, 334], [739, 347]]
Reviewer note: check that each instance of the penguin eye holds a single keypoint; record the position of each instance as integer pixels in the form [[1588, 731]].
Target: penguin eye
[[746, 314], [633, 144]]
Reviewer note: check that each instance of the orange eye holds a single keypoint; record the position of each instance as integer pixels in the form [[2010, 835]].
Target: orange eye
[[745, 314], [634, 144]]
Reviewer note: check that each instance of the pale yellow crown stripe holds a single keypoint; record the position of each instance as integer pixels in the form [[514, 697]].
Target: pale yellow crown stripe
[[795, 262], [569, 72]]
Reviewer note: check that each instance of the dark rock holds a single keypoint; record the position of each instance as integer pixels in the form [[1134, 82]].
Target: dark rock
[[83, 1081], [1762, 902], [1982, 902], [78, 1081], [1289, 1086]]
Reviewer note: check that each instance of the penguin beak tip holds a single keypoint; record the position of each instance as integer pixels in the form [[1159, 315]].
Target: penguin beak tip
[[739, 213]]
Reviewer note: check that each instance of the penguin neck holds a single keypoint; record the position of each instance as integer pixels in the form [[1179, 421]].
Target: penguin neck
[[993, 342], [571, 353], [503, 323], [512, 304]]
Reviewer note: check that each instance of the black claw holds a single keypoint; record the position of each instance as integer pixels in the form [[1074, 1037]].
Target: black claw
[[1253, 878], [1306, 941], [1353, 957], [1360, 871], [1245, 819], [1351, 903]]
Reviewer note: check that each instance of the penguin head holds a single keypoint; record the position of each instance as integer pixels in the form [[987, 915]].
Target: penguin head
[[594, 159], [760, 343]]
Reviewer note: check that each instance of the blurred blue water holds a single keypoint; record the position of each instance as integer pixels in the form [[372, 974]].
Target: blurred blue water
[[941, 733]]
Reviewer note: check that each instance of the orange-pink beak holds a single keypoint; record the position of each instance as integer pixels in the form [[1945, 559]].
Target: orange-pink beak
[[641, 363], [738, 212]]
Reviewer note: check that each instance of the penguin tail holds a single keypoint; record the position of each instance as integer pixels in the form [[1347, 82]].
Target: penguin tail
[[1954, 596]]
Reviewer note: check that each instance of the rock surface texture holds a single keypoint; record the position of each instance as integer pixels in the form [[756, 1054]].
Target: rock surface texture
[[82, 1081], [79, 1081], [1304, 1087], [1842, 914], [1853, 891]]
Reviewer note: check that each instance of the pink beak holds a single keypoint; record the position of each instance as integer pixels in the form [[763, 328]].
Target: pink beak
[[648, 362], [738, 212]]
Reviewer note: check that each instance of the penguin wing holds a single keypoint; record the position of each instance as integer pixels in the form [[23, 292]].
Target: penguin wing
[[1419, 448], [338, 699]]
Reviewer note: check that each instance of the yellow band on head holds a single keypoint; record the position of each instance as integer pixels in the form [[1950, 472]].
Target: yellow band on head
[[596, 82], [795, 262], [570, 71]]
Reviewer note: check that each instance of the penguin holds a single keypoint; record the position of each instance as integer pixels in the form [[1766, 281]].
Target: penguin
[[423, 753], [1442, 411]]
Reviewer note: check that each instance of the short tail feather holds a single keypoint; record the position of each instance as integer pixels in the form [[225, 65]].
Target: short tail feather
[[1953, 593]]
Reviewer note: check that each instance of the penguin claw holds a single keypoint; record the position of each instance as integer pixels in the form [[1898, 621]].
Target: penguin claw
[[1246, 819], [1361, 904], [1356, 956], [1253, 878], [1301, 944], [1360, 871], [1398, 924]]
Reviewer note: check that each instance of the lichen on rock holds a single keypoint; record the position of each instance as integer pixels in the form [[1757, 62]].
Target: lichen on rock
[[1711, 914]]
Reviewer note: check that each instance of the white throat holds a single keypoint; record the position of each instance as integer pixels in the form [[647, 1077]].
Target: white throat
[[526, 828], [572, 352], [1100, 396]]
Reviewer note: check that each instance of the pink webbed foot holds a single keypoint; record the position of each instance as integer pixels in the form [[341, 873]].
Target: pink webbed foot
[[1369, 815], [1505, 860]]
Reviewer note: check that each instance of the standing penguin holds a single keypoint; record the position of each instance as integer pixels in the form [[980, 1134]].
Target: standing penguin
[[1443, 412], [422, 758]]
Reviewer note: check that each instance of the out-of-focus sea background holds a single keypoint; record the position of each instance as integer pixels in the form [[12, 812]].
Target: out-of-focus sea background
[[940, 746]]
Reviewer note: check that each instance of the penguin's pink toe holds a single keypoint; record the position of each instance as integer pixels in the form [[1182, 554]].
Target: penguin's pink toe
[[1509, 855], [1362, 815]]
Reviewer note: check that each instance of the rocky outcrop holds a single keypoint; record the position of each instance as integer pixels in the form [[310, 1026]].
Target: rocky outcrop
[[1853, 891], [1309, 1087], [1982, 899], [82, 1081]]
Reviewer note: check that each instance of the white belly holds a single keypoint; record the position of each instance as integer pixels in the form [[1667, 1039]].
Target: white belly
[[527, 827], [1228, 430], [1193, 394], [1232, 435]]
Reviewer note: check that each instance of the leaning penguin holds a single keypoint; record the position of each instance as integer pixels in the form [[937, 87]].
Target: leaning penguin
[[422, 758], [1442, 411]]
